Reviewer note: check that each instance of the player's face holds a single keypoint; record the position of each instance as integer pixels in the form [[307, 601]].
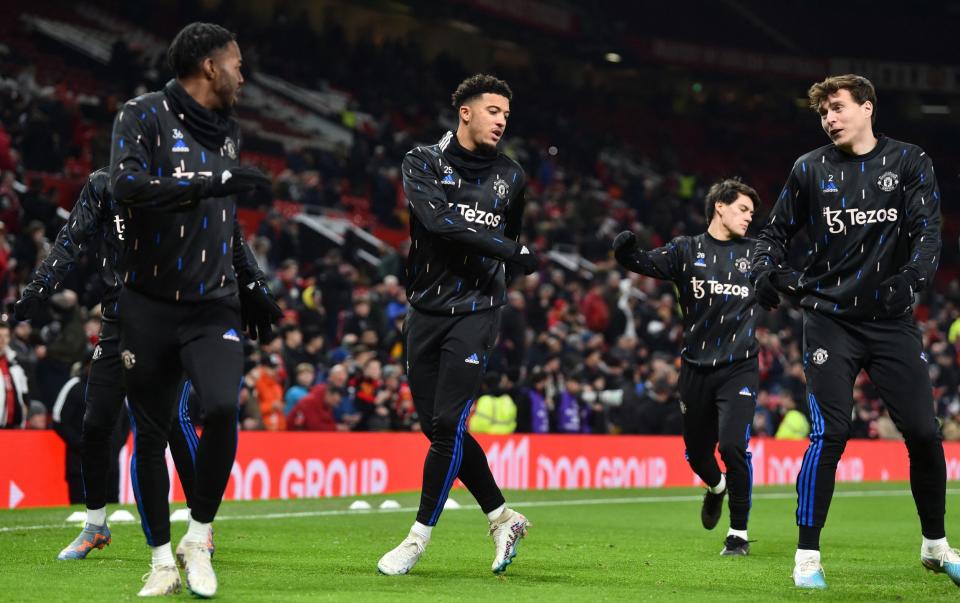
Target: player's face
[[844, 120], [486, 119], [227, 77], [736, 216]]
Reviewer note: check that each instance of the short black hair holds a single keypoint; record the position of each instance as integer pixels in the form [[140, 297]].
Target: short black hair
[[478, 84], [726, 192], [193, 44]]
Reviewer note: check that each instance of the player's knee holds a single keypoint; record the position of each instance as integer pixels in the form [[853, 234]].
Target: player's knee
[[94, 432], [833, 434], [220, 408], [923, 436], [148, 443], [730, 451], [427, 428], [445, 426]]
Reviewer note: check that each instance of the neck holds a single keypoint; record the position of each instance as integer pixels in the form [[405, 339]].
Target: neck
[[465, 140], [201, 92], [861, 145], [718, 231]]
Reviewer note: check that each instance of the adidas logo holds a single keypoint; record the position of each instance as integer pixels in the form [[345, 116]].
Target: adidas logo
[[180, 147], [231, 335], [524, 250], [746, 392], [448, 180], [472, 359]]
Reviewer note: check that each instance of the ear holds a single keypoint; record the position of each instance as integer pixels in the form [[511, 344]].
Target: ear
[[464, 113], [868, 107], [209, 68]]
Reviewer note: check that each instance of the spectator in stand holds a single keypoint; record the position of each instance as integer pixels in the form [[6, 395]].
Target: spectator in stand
[[657, 412], [10, 210], [372, 398], [794, 425], [37, 416], [393, 341], [304, 376], [315, 411], [29, 249], [513, 330], [270, 395], [494, 412], [13, 385], [29, 349], [66, 343], [250, 417], [292, 351]]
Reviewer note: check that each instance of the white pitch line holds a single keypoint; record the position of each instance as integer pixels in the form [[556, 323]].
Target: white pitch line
[[517, 504]]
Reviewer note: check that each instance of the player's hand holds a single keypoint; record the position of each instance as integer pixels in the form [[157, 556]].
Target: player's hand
[[525, 259], [896, 294], [258, 311], [627, 251], [625, 247], [766, 291], [28, 306], [234, 181]]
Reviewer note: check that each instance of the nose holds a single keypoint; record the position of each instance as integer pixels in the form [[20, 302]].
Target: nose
[[240, 81]]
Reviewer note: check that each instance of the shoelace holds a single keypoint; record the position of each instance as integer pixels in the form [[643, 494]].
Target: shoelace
[[943, 553], [810, 566], [196, 546], [416, 542], [507, 518], [153, 568]]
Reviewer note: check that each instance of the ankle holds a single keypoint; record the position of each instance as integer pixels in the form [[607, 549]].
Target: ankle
[[806, 555]]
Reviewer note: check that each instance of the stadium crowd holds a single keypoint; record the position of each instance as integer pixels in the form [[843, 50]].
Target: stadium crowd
[[584, 348]]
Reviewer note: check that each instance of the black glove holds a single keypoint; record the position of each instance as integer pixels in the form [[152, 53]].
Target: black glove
[[234, 181], [525, 259], [28, 306], [258, 311], [625, 248], [896, 294], [766, 292]]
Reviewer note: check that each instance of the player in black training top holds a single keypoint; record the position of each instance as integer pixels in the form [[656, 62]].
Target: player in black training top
[[719, 374], [174, 171], [466, 201], [871, 208], [96, 228]]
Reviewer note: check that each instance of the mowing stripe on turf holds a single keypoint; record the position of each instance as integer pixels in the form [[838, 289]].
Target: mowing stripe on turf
[[516, 504]]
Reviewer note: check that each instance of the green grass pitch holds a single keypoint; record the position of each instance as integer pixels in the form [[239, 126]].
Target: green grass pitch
[[588, 545]]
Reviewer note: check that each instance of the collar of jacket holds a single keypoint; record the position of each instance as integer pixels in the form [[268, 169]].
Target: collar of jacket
[[209, 128], [469, 164]]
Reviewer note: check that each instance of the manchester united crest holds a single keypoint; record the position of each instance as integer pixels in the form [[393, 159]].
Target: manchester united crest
[[230, 148], [820, 356], [888, 182], [501, 188], [742, 264]]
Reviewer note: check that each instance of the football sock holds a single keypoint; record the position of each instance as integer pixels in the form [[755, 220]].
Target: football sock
[[161, 555], [738, 533], [97, 517], [721, 486], [493, 515], [421, 530]]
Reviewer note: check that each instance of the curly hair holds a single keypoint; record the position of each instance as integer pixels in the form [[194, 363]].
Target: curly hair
[[478, 84], [193, 44]]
